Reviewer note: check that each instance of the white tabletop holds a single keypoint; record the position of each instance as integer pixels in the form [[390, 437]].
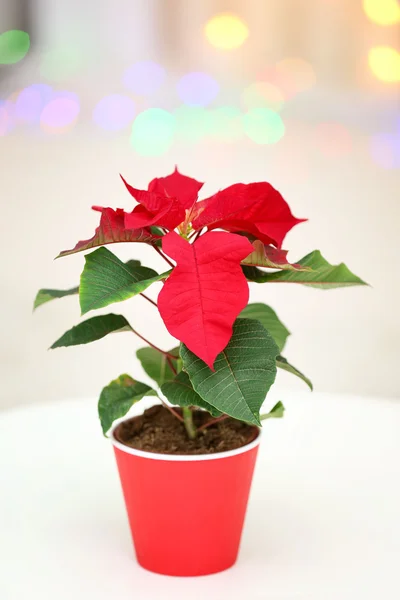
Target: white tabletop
[[323, 520]]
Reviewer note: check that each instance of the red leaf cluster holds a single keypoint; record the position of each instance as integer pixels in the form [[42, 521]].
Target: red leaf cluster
[[207, 289]]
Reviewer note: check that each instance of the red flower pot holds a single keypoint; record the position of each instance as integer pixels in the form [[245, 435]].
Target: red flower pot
[[186, 512]]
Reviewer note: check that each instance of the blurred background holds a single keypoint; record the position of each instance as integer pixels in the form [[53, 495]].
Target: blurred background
[[301, 93]]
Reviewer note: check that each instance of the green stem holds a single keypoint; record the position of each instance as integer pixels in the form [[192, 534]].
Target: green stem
[[188, 422]]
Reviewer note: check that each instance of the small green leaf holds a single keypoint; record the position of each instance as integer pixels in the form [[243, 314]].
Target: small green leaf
[[156, 365], [276, 412], [118, 397], [282, 363], [105, 279], [180, 392], [45, 295], [269, 319], [322, 275], [243, 373], [93, 329]]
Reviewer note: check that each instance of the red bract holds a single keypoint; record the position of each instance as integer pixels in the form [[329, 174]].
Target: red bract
[[205, 292], [164, 203], [111, 230], [154, 209], [255, 208], [184, 188]]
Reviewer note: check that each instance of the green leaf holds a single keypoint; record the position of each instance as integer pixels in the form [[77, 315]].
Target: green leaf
[[156, 365], [93, 329], [45, 295], [243, 374], [276, 412], [180, 392], [269, 319], [105, 279], [323, 275], [282, 363], [118, 397]]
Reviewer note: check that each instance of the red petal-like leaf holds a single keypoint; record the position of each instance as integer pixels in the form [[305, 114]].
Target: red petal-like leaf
[[256, 208], [184, 188], [155, 209], [111, 230], [205, 292], [270, 257]]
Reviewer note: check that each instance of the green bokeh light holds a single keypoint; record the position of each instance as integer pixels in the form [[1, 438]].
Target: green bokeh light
[[263, 126], [153, 132], [14, 46], [61, 63], [225, 124], [191, 122]]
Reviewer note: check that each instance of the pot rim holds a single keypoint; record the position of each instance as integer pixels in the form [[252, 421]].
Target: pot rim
[[182, 457]]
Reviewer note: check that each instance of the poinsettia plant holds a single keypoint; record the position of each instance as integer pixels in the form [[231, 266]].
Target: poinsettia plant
[[229, 350]]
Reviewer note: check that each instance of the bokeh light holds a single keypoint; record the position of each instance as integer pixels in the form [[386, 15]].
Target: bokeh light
[[144, 78], [262, 95], [385, 150], [225, 124], [333, 139], [197, 89], [191, 122], [382, 12], [14, 46], [384, 62], [226, 31], [31, 101], [60, 114], [263, 126], [153, 132], [62, 62], [114, 112]]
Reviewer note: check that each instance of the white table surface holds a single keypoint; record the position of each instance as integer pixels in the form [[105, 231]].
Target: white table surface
[[323, 520]]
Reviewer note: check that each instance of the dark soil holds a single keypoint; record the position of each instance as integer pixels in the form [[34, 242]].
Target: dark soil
[[157, 430]]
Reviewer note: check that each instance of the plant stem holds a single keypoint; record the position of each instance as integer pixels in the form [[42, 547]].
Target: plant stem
[[212, 422], [164, 257], [188, 421], [171, 366], [167, 354], [148, 299], [171, 410]]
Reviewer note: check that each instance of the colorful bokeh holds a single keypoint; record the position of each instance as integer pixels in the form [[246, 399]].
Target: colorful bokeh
[[114, 112], [153, 132], [382, 12], [14, 46], [226, 31], [144, 78], [263, 126], [31, 101], [384, 63], [197, 89], [60, 114]]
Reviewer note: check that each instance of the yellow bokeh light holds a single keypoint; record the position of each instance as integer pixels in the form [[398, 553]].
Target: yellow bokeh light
[[382, 12], [384, 62], [226, 31]]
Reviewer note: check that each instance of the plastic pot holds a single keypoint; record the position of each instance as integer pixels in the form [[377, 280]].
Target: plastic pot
[[186, 512]]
